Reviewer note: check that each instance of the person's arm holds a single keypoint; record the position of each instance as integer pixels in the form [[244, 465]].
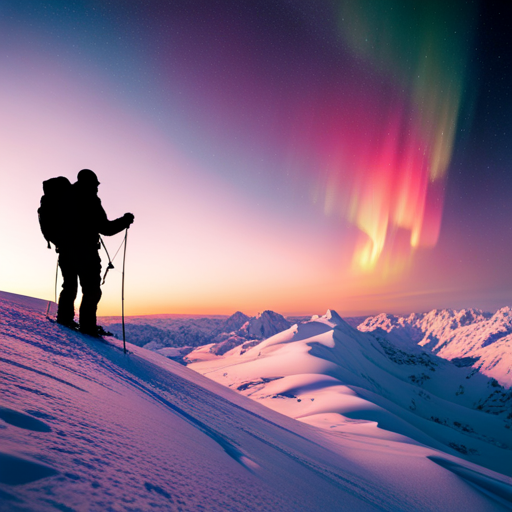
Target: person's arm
[[112, 227]]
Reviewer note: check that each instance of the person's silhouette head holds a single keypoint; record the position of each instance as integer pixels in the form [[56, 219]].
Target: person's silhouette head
[[88, 180]]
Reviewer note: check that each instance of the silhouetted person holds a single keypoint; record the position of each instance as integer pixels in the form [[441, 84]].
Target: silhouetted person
[[78, 252]]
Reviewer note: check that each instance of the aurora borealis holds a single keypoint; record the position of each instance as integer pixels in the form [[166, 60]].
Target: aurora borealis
[[276, 154]]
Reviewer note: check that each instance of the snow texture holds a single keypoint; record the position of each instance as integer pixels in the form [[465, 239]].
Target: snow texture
[[85, 427], [326, 373]]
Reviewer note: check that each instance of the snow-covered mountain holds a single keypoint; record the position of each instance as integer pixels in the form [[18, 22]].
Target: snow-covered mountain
[[264, 325], [194, 331], [468, 337], [234, 322], [327, 373], [253, 330], [176, 335], [85, 427], [167, 330]]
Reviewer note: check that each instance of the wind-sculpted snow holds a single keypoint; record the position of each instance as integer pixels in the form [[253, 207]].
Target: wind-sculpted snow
[[326, 373], [85, 427], [463, 336]]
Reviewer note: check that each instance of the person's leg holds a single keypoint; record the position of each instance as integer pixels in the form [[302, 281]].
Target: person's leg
[[66, 310], [90, 281]]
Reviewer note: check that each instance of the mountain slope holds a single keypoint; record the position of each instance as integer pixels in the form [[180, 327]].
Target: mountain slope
[[85, 427], [327, 373]]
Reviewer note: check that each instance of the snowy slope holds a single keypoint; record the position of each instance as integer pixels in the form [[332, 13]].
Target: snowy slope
[[327, 373], [85, 427], [454, 335]]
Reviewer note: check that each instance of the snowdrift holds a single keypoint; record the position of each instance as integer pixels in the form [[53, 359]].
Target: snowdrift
[[325, 372], [85, 427]]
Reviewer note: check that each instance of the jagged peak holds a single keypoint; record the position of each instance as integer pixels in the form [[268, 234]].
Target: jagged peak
[[237, 317], [333, 316], [264, 325], [270, 313], [503, 315], [505, 310], [238, 313]]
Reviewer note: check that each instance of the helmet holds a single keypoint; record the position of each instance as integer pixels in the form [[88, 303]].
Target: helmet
[[87, 176]]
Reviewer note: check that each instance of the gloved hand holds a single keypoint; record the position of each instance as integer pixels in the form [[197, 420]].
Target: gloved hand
[[128, 218]]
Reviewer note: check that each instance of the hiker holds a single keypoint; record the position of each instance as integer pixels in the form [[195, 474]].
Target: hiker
[[78, 252]]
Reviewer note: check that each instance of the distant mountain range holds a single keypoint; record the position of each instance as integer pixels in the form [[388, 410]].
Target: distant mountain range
[[185, 333], [329, 374], [440, 378], [468, 337], [250, 332]]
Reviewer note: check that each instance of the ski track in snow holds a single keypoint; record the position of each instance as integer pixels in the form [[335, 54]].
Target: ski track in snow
[[85, 427], [181, 391]]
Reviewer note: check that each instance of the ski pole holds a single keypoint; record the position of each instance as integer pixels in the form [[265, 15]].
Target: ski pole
[[122, 290], [56, 277], [110, 264]]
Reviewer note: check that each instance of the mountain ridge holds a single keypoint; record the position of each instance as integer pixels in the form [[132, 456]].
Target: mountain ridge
[[314, 371], [452, 334]]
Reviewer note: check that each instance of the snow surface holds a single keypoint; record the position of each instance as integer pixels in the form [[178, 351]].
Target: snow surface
[[85, 427], [326, 373], [468, 333]]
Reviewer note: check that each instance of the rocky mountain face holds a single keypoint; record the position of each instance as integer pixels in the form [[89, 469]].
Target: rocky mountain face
[[264, 325], [233, 323], [468, 337], [253, 330], [220, 333]]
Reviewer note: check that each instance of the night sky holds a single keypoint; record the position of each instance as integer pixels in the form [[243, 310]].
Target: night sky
[[286, 155]]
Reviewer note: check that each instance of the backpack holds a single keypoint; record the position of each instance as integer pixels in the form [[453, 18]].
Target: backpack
[[55, 211]]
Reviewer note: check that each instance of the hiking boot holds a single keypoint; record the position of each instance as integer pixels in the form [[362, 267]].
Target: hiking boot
[[70, 324], [90, 331], [96, 332], [102, 331]]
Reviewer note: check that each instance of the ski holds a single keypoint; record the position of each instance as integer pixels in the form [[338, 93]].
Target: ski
[[99, 338], [71, 328]]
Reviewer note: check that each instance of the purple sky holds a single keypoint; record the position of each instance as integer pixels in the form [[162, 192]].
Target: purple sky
[[276, 155]]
